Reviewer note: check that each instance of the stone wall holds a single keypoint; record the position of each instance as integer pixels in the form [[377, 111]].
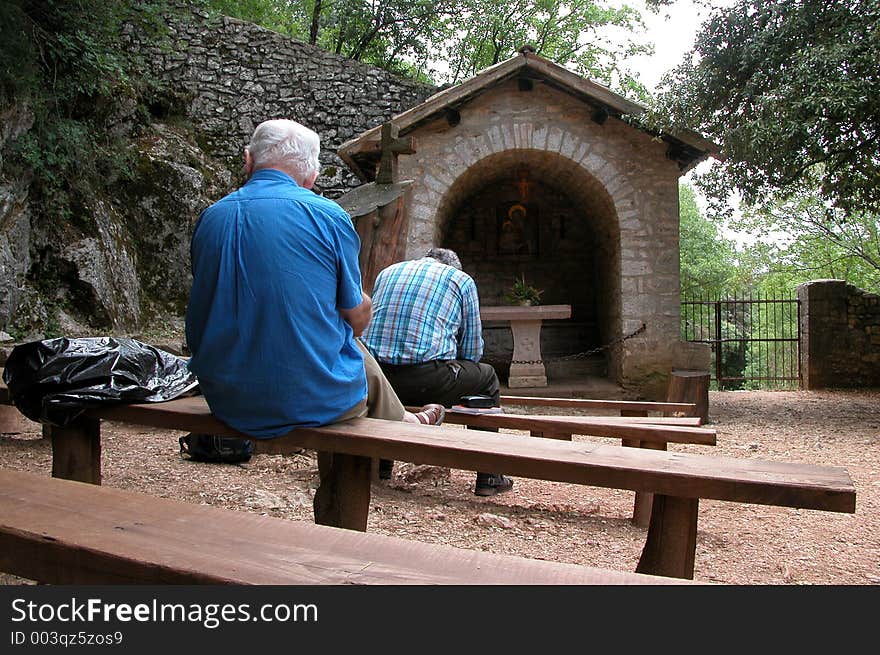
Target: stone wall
[[840, 335], [230, 75]]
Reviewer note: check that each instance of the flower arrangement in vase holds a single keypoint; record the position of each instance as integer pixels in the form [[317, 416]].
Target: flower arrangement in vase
[[522, 293]]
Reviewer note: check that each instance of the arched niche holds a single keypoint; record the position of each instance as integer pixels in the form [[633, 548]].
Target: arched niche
[[537, 214]]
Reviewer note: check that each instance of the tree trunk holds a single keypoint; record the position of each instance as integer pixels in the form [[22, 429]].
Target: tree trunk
[[313, 29]]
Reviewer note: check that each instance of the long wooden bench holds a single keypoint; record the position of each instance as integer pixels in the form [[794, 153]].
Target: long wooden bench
[[627, 428], [634, 431], [677, 480], [64, 532], [563, 427]]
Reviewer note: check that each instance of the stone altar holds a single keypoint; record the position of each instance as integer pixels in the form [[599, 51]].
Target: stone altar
[[525, 325]]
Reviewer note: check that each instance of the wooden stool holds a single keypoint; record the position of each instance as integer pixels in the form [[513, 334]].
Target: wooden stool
[[688, 386]]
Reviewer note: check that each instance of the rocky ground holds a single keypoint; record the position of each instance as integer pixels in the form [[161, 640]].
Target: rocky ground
[[736, 543]]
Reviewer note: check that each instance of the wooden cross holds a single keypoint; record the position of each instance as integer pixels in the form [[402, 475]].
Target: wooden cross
[[391, 147]]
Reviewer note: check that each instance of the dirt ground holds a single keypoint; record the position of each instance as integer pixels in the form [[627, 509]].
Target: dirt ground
[[736, 543]]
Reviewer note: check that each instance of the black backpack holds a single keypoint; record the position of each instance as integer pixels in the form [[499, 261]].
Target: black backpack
[[211, 448]]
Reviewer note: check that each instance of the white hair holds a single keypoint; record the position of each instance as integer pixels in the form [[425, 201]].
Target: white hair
[[286, 143], [444, 256]]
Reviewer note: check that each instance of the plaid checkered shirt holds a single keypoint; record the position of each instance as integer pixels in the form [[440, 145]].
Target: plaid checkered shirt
[[424, 310]]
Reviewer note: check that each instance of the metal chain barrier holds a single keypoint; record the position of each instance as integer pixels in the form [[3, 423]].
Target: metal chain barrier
[[581, 355]]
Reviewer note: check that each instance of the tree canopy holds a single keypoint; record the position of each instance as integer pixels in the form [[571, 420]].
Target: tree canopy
[[803, 240], [789, 89], [707, 258], [445, 41]]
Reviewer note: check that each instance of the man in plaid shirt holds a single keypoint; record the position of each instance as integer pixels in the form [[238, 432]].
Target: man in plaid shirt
[[427, 336]]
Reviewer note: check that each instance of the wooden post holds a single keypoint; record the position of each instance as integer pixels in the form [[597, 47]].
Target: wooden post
[[76, 450], [644, 499], [383, 231], [342, 499], [392, 146], [687, 386], [383, 240], [13, 421]]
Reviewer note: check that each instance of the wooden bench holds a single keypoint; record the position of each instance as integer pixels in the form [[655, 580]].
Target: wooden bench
[[563, 427], [677, 480], [634, 428], [624, 407], [634, 431], [64, 532], [627, 428]]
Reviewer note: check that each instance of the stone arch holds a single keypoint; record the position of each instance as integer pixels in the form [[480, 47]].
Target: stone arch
[[572, 247]]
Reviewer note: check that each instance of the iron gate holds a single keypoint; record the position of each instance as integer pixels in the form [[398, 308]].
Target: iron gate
[[755, 341]]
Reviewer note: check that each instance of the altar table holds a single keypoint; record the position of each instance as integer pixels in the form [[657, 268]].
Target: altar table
[[527, 368]]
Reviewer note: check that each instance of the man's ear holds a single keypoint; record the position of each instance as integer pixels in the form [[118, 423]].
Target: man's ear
[[309, 182], [248, 163]]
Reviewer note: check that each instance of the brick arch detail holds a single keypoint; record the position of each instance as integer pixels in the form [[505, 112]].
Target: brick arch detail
[[430, 201]]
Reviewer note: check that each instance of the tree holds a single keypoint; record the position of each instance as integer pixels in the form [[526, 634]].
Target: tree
[[290, 17], [585, 36], [707, 258], [810, 241], [789, 88], [446, 41]]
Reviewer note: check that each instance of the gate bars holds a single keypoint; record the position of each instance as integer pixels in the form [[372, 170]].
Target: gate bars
[[755, 341]]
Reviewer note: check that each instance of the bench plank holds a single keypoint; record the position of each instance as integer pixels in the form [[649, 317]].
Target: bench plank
[[688, 409], [686, 475], [564, 426], [690, 421], [64, 532]]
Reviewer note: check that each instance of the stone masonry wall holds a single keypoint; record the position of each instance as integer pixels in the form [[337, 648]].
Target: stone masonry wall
[[230, 75], [840, 335]]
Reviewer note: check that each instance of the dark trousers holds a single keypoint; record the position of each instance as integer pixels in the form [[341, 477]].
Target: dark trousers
[[443, 382]]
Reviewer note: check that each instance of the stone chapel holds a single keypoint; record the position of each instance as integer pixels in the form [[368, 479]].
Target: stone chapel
[[531, 171]]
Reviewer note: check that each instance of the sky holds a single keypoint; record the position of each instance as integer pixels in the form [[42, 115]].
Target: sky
[[672, 31]]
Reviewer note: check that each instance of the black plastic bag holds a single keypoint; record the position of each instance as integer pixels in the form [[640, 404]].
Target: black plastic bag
[[212, 448], [55, 380]]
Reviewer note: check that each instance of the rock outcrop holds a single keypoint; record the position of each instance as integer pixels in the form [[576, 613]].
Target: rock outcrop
[[123, 260]]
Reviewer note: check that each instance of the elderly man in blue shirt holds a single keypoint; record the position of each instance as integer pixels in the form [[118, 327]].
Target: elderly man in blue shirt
[[276, 302], [427, 336]]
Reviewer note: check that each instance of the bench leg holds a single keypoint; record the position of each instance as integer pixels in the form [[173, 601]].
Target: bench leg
[[342, 499], [672, 538], [76, 450], [564, 436], [644, 499]]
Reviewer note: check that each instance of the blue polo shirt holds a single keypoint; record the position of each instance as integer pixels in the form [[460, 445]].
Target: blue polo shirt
[[273, 263]]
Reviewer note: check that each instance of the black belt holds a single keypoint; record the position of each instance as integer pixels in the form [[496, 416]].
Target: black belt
[[434, 363]]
